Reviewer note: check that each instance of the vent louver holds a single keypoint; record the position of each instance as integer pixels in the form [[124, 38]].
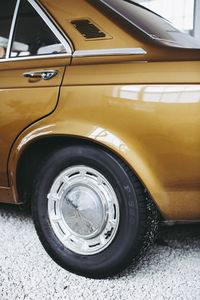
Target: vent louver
[[88, 29]]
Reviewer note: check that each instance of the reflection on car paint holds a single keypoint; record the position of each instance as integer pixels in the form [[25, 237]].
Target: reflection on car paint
[[159, 93], [102, 135]]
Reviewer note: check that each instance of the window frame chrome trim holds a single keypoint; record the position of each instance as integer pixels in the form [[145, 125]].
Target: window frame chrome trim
[[12, 28], [109, 52], [51, 26]]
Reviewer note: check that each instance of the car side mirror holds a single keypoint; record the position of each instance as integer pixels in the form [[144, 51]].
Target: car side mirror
[[2, 52]]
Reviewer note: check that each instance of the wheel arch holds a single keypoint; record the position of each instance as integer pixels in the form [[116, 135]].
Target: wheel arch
[[36, 151]]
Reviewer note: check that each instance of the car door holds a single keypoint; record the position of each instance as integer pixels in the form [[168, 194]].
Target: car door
[[33, 57]]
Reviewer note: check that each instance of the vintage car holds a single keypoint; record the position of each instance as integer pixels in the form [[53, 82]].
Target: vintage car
[[99, 127]]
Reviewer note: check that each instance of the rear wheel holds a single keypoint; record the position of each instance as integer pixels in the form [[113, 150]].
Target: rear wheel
[[91, 213]]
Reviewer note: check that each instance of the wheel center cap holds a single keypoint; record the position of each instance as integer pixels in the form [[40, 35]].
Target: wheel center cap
[[82, 211]]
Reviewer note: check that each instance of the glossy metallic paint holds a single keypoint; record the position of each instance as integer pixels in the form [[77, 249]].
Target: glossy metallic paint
[[145, 108], [147, 125]]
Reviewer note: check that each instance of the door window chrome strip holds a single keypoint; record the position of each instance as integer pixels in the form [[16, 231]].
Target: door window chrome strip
[[35, 57], [12, 29], [53, 28], [109, 52]]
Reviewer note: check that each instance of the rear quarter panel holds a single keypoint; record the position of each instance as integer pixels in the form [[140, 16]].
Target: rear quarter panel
[[152, 124]]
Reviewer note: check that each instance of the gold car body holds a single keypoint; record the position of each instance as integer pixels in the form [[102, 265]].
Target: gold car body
[[144, 106]]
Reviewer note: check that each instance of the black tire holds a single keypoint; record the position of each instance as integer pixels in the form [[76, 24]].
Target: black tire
[[139, 218]]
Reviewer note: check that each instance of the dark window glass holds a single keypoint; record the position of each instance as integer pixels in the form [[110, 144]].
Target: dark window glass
[[6, 13], [151, 23], [32, 35]]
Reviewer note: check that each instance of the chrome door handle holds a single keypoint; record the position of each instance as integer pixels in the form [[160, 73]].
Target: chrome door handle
[[44, 74]]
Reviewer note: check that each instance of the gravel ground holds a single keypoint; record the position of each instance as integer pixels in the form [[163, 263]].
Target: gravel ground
[[170, 270]]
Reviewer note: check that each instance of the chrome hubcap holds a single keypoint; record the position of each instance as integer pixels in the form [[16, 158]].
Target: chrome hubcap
[[83, 210]]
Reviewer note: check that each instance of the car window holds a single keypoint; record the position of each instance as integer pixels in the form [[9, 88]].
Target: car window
[[6, 13], [152, 24], [32, 36]]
